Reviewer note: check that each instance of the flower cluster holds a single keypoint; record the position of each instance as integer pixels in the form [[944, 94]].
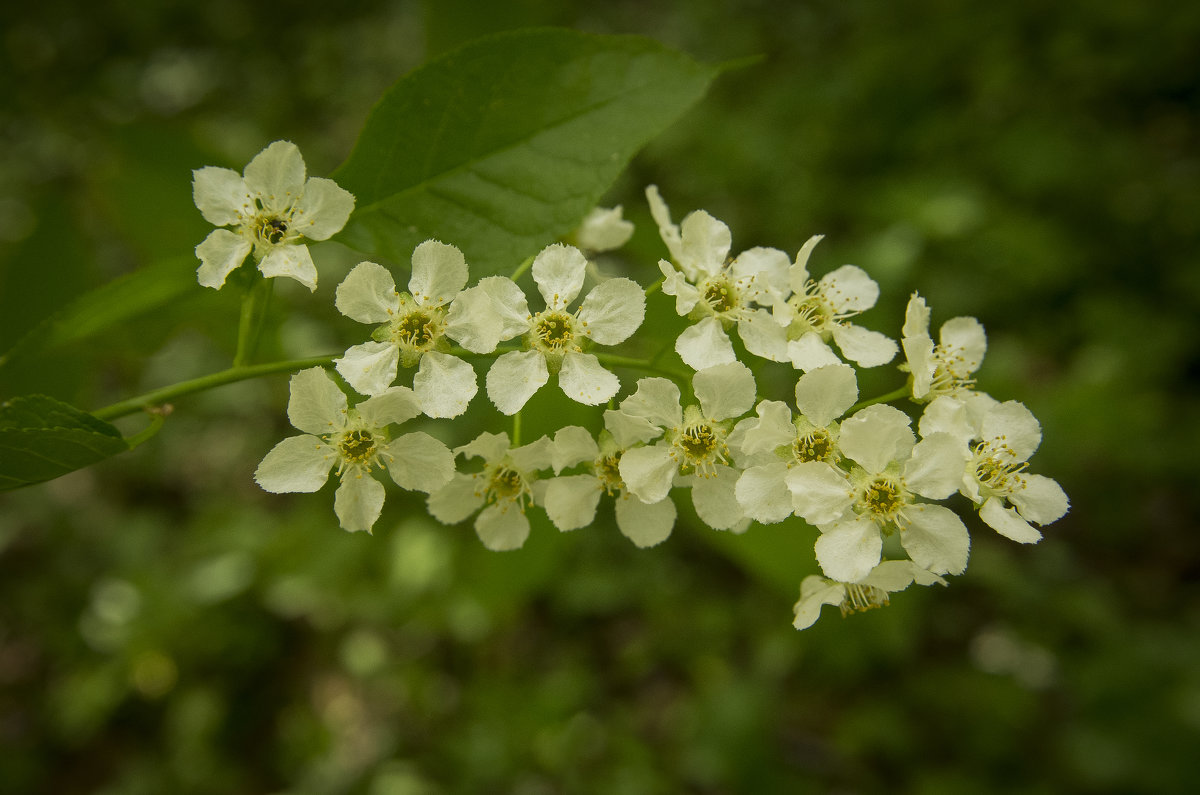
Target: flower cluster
[[869, 478]]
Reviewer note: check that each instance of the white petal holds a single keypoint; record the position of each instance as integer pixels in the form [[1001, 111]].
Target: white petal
[[628, 430], [315, 404], [491, 447], [824, 393], [323, 210], [502, 527], [1007, 522], [849, 289], [772, 429], [706, 243], [1042, 500], [763, 336], [439, 272], [444, 385], [936, 539], [918, 351], [571, 501], [866, 348], [766, 268], [1012, 425], [662, 216], [965, 339], [916, 318], [298, 463], [676, 283], [514, 377], [221, 195], [849, 550], [603, 229], [538, 454], [418, 462], [473, 321], [220, 253], [585, 381], [763, 493], [945, 414], [657, 401], [815, 592], [358, 501], [937, 466], [455, 501], [724, 391], [396, 404], [645, 524], [877, 436], [810, 352], [368, 294], [648, 472], [572, 445], [276, 175], [558, 272], [821, 494], [705, 344], [370, 367], [292, 261], [715, 499], [509, 304], [798, 272], [612, 311]]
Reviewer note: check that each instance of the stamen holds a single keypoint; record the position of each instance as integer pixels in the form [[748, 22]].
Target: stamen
[[860, 598]]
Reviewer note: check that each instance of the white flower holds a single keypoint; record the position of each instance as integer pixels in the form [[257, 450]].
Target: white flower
[[272, 209], [995, 475], [416, 324], [603, 229], [694, 441], [853, 510], [870, 592], [822, 395], [948, 367], [555, 337], [571, 500], [507, 482], [357, 441], [717, 292], [818, 312]]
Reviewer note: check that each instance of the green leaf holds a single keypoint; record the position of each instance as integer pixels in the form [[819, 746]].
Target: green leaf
[[107, 306], [502, 146], [42, 438]]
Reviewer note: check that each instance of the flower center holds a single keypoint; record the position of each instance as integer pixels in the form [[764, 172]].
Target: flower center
[[415, 330], [357, 447], [607, 470], [554, 332], [812, 313], [814, 445], [721, 295], [884, 498], [860, 598], [270, 230], [506, 483], [951, 374], [699, 445], [996, 470]]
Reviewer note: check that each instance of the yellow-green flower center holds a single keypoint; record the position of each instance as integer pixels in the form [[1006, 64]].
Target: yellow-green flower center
[[607, 470], [554, 332], [884, 499], [357, 447], [814, 445], [721, 295], [699, 444], [860, 598]]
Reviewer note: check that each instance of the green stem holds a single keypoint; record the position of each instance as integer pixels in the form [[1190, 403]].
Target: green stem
[[520, 271], [252, 320], [205, 382], [157, 418], [641, 364], [516, 436], [655, 287], [902, 392]]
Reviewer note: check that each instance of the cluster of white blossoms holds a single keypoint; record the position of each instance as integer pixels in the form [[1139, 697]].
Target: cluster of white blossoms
[[868, 478]]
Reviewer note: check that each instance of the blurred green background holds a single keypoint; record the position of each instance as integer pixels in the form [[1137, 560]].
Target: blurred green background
[[167, 627]]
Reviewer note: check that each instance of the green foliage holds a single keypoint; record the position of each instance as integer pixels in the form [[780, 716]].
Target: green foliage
[[42, 438], [503, 146]]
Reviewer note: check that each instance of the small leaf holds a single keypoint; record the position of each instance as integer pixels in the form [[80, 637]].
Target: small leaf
[[502, 146], [42, 438], [107, 306]]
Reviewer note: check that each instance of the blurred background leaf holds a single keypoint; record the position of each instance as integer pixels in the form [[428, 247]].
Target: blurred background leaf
[[165, 626]]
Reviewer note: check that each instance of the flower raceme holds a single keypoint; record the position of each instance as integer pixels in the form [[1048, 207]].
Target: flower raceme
[[272, 209], [854, 471]]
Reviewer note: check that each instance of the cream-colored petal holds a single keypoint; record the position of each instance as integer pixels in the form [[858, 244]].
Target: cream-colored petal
[[458, 499], [276, 175], [865, 347], [393, 405], [323, 210], [936, 539], [502, 527], [368, 294], [418, 462], [439, 272], [221, 196], [612, 311], [514, 378], [571, 501], [825, 393], [1007, 522], [849, 289], [316, 405], [444, 385], [810, 352], [292, 261], [725, 390], [584, 380], [648, 472], [763, 493], [558, 272], [297, 464], [358, 501], [1042, 500], [573, 445], [705, 344], [715, 499], [645, 524], [849, 550], [370, 368], [220, 253], [876, 436]]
